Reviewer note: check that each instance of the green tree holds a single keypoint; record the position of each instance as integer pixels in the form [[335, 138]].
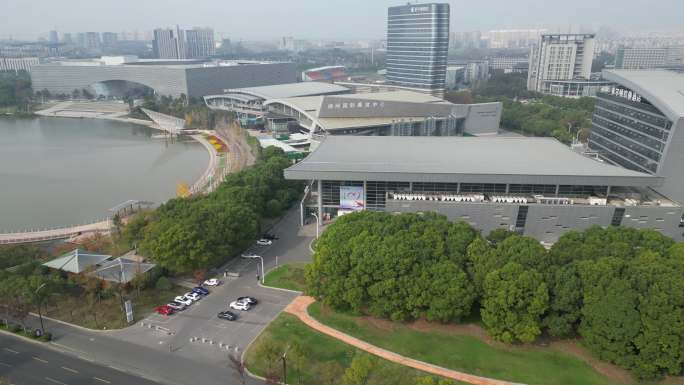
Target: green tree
[[359, 371], [515, 298]]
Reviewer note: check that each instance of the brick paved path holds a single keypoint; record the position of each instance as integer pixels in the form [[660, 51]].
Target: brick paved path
[[300, 304]]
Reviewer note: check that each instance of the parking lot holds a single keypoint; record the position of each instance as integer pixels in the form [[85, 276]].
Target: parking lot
[[197, 333]]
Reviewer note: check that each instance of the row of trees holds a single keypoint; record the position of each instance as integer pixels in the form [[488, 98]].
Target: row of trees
[[15, 90], [620, 289], [189, 234]]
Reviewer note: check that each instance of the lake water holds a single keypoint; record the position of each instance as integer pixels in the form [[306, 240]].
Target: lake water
[[59, 171]]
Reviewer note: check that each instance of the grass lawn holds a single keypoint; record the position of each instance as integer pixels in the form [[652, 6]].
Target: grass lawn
[[290, 276], [107, 313], [319, 349], [526, 364]]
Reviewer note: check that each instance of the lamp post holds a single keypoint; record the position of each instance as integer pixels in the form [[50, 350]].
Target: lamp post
[[284, 358], [40, 314], [317, 223], [262, 264]]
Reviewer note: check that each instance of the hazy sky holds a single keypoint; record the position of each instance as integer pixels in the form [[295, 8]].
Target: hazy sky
[[314, 19]]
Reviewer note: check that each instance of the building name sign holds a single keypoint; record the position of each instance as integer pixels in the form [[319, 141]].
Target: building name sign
[[627, 94], [420, 9]]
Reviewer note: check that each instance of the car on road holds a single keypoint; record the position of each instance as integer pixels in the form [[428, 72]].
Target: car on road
[[269, 236], [264, 242], [242, 306], [177, 306], [212, 282], [164, 310], [192, 296], [227, 315], [200, 290], [183, 300], [248, 300]]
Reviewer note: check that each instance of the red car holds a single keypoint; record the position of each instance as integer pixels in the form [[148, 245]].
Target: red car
[[164, 310]]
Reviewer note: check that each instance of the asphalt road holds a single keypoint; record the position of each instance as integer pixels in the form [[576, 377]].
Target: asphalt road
[[166, 355], [25, 363]]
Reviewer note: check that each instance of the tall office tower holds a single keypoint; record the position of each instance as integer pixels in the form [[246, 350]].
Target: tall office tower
[[560, 64], [91, 40], [200, 42], [169, 43], [109, 39], [417, 46], [54, 38]]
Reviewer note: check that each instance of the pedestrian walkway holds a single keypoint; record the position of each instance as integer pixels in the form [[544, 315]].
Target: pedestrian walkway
[[300, 304]]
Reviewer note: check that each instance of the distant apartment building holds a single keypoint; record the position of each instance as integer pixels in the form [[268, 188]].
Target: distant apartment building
[[513, 38], [66, 38], [169, 43], [91, 40], [459, 40], [54, 37], [109, 39], [648, 58], [16, 64], [476, 71], [200, 43], [417, 46], [560, 64]]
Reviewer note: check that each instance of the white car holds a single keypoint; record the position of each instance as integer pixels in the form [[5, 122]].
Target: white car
[[192, 296], [183, 300], [212, 282], [237, 305], [264, 242]]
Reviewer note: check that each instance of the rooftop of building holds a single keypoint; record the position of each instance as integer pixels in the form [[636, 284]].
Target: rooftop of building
[[463, 159], [662, 88], [132, 61], [288, 90]]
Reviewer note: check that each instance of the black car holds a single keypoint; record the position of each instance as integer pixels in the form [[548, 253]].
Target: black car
[[270, 237], [249, 300], [227, 315]]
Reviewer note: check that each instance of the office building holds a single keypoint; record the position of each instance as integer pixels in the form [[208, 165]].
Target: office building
[[113, 76], [649, 58], [560, 64], [16, 64], [536, 187], [109, 39], [639, 125], [54, 37], [476, 71], [507, 63], [169, 44], [417, 46], [200, 43]]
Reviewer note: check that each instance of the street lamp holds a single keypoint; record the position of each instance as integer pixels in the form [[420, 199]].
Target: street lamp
[[40, 314], [317, 223], [262, 264], [285, 364]]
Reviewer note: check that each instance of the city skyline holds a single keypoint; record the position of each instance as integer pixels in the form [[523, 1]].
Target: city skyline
[[23, 22]]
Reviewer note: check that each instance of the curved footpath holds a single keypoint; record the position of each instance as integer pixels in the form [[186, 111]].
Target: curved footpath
[[299, 306]]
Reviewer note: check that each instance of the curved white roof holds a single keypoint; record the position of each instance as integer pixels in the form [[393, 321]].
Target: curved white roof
[[663, 88]]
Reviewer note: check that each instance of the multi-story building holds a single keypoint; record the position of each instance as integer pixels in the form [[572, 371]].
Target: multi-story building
[[169, 43], [506, 63], [54, 38], [66, 38], [513, 38], [639, 125], [648, 58], [560, 64], [417, 46], [109, 39], [16, 64], [200, 43], [476, 71], [91, 40]]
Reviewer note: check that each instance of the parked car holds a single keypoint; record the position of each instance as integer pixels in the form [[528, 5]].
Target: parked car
[[177, 306], [242, 306], [248, 300], [200, 290], [212, 282], [227, 315], [164, 310], [183, 300], [269, 236], [264, 242], [192, 296]]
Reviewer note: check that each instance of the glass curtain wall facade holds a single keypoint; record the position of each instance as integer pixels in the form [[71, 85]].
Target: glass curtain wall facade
[[418, 45], [629, 131]]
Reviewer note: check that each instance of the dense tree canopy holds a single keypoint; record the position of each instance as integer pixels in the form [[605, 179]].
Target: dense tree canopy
[[620, 289]]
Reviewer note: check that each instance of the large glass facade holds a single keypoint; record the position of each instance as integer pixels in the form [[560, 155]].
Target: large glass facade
[[417, 45]]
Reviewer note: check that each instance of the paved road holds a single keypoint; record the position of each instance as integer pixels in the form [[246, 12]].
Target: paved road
[[25, 363], [172, 358]]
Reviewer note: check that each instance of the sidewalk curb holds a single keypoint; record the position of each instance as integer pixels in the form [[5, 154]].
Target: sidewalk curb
[[278, 288], [82, 328]]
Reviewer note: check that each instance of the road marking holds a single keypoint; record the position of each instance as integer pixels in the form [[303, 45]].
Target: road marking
[[69, 369], [101, 380], [11, 351], [40, 359], [55, 381], [5, 365]]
